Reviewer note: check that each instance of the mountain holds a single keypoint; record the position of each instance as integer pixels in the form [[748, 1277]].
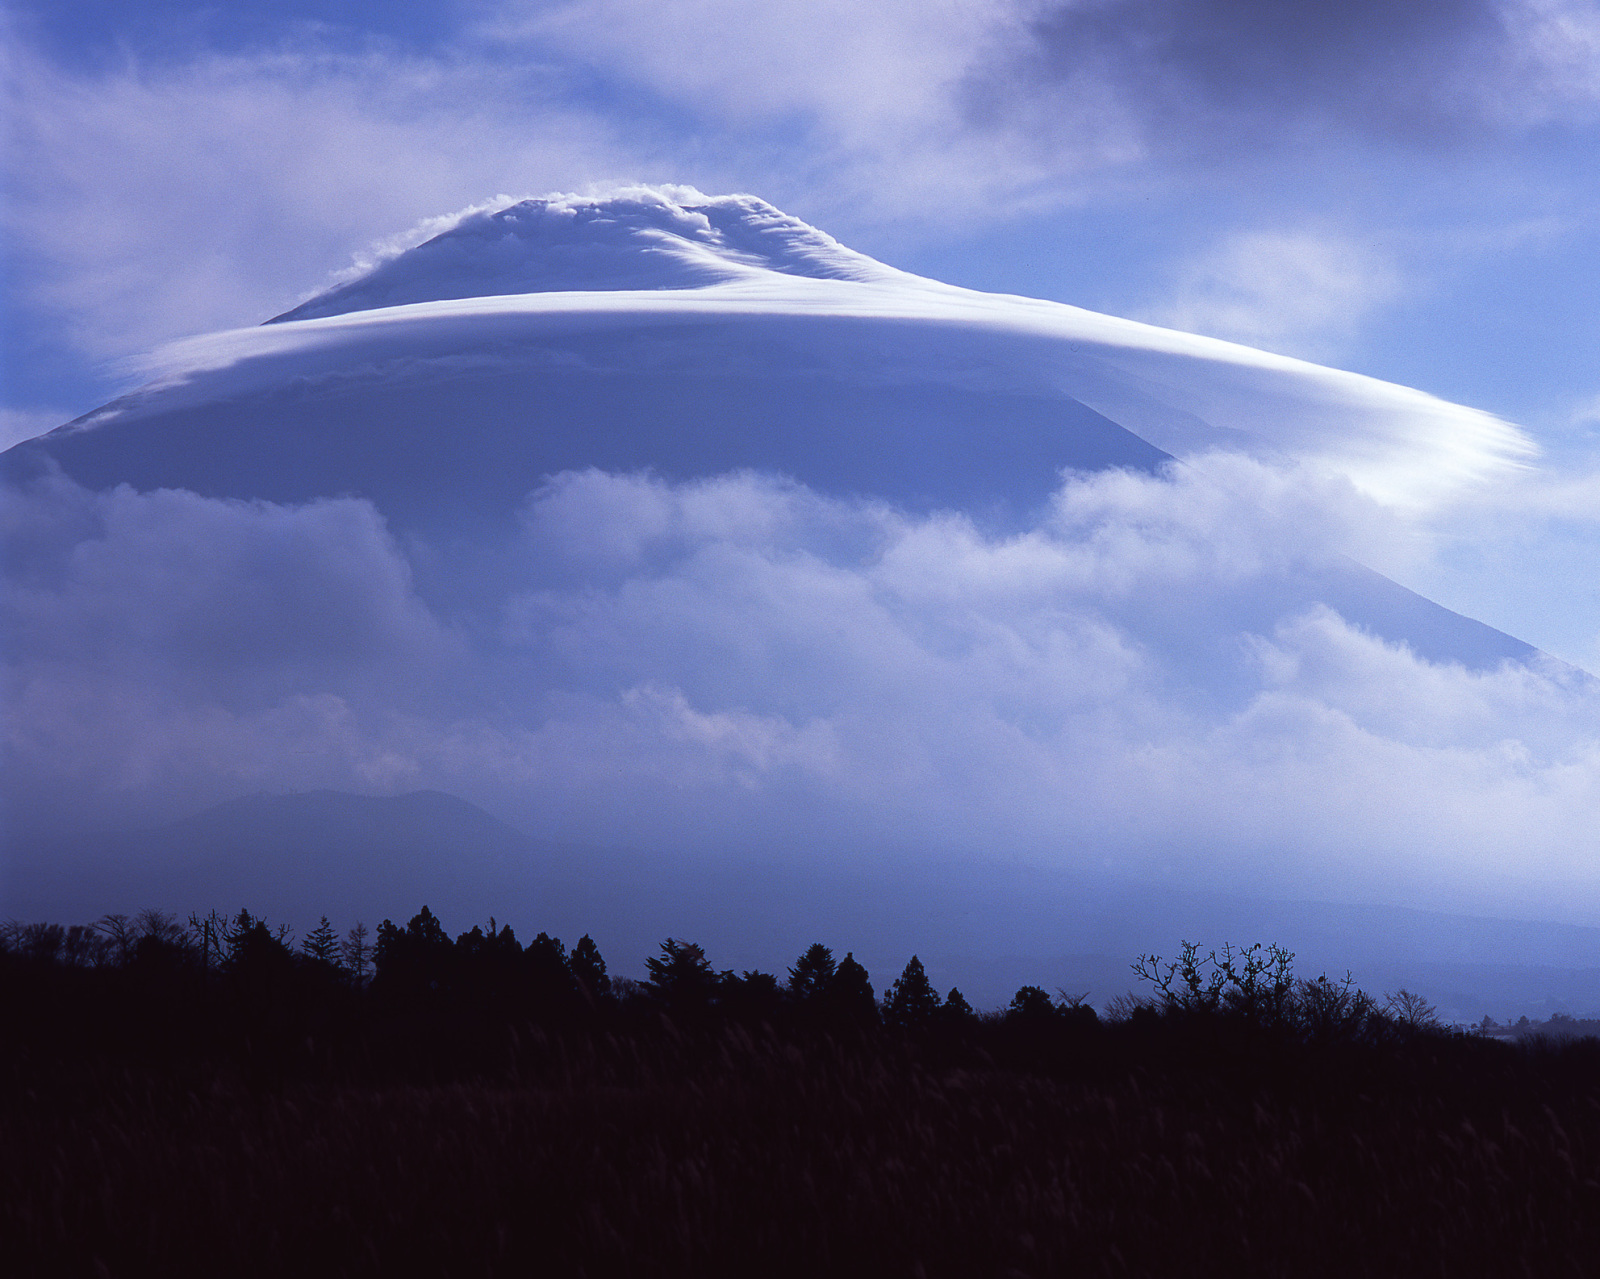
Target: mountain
[[693, 336]]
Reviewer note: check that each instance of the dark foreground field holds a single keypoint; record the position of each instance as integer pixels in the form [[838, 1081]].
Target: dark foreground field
[[237, 1127]]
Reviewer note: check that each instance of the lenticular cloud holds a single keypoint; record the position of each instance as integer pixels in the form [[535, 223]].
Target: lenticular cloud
[[777, 551]]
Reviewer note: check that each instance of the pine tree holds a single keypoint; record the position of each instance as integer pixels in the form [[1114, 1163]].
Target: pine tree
[[322, 943], [849, 996], [811, 973], [590, 969], [415, 958], [912, 1000], [681, 975], [551, 982]]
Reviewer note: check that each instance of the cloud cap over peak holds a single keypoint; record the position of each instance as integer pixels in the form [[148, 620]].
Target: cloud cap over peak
[[634, 237]]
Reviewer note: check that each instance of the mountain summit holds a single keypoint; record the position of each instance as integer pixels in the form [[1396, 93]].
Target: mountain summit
[[641, 238]]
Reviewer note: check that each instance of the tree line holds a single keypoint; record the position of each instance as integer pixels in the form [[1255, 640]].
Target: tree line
[[487, 969], [407, 1101]]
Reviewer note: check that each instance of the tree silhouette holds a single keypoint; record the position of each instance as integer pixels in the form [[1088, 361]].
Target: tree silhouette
[[589, 969], [1411, 1010], [120, 937], [83, 947], [955, 1011], [357, 953], [681, 976], [1032, 1004], [254, 949], [208, 936], [912, 1000], [490, 968], [753, 996], [414, 958], [549, 972], [322, 944], [849, 998], [812, 973]]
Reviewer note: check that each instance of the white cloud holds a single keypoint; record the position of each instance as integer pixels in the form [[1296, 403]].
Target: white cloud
[[741, 663]]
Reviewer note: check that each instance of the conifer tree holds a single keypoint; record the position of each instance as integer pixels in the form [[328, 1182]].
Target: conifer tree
[[550, 978], [849, 995], [590, 969], [322, 943], [414, 958], [912, 1000], [681, 975], [812, 973]]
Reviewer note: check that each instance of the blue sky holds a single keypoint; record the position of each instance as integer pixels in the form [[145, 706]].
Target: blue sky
[[1413, 197]]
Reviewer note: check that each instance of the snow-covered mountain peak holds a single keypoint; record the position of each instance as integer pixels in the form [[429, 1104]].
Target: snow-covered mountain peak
[[637, 238]]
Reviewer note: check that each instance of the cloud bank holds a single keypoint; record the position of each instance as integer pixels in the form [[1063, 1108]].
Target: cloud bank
[[741, 664]]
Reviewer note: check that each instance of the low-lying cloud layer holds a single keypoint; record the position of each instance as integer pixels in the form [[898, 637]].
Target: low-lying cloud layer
[[742, 664]]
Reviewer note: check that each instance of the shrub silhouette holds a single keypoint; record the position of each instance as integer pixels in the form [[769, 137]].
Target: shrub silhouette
[[1255, 984]]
